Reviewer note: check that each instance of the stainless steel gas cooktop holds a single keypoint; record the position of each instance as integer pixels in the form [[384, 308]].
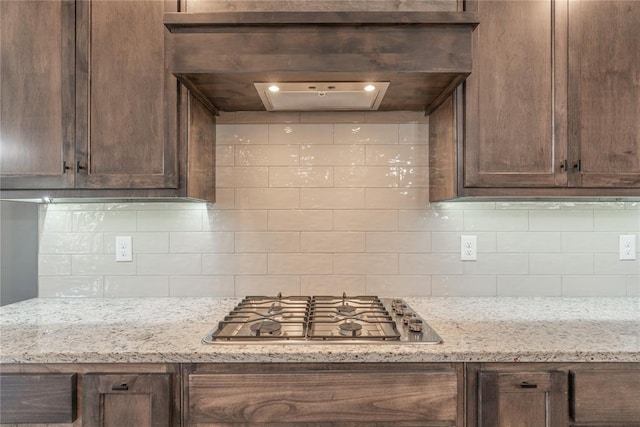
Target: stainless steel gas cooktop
[[322, 320]]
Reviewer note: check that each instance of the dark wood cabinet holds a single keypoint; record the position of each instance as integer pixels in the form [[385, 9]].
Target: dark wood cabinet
[[605, 395], [37, 47], [120, 400], [324, 394], [38, 398], [90, 109], [517, 395], [127, 127], [551, 107]]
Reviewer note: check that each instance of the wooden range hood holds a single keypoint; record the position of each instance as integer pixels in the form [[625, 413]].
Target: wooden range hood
[[423, 56]]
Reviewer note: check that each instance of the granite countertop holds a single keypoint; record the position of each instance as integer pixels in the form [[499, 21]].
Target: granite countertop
[[169, 330]]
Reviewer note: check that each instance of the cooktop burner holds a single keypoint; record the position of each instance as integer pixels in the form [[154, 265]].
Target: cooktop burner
[[322, 319]]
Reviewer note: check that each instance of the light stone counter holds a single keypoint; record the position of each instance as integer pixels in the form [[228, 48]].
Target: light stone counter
[[169, 330]]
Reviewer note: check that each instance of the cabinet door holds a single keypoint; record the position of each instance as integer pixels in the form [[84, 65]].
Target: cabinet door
[[127, 400], [522, 399], [604, 92], [37, 43], [127, 101], [514, 136]]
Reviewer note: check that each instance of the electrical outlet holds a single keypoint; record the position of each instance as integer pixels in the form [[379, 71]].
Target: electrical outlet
[[468, 248], [123, 249], [628, 247]]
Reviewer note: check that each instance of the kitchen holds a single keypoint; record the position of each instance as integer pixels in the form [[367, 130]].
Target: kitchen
[[319, 203]]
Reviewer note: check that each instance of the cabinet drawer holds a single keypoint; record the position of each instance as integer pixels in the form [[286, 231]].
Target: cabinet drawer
[[38, 398], [370, 398], [605, 396]]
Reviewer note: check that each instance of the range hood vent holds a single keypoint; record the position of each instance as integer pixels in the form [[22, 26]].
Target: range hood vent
[[223, 57], [321, 96]]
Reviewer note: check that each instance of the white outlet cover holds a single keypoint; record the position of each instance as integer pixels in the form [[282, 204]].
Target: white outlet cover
[[124, 251], [627, 247], [468, 248]]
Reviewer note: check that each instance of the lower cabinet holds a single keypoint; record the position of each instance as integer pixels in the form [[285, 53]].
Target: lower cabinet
[[86, 395], [324, 394], [121, 400]]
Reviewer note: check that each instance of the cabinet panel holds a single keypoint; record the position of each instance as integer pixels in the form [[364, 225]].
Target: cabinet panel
[[510, 137], [348, 397], [604, 92], [38, 398], [127, 103], [36, 93], [605, 396], [122, 400], [522, 399]]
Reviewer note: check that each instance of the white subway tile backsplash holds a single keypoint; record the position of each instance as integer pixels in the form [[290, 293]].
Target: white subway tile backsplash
[[366, 176], [267, 241], [71, 243], [399, 242], [267, 198], [72, 286], [392, 285], [309, 176], [463, 286], [593, 286], [617, 220], [299, 220], [169, 264], [332, 198], [94, 221], [561, 263], [431, 220], [496, 220], [365, 220], [267, 285], [331, 155], [333, 284], [429, 264], [169, 220], [236, 220], [328, 241], [234, 264], [201, 286], [401, 198], [299, 263], [367, 263], [324, 203], [560, 220], [529, 285], [300, 134], [102, 265], [241, 176], [529, 242], [242, 134], [136, 286], [267, 155], [145, 242], [498, 263], [397, 155], [195, 242], [54, 265], [611, 264], [365, 134]]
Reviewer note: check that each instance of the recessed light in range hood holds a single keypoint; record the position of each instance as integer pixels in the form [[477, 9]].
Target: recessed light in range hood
[[322, 96]]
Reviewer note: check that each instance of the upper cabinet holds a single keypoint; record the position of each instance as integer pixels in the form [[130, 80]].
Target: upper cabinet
[[37, 93], [89, 108], [551, 107]]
